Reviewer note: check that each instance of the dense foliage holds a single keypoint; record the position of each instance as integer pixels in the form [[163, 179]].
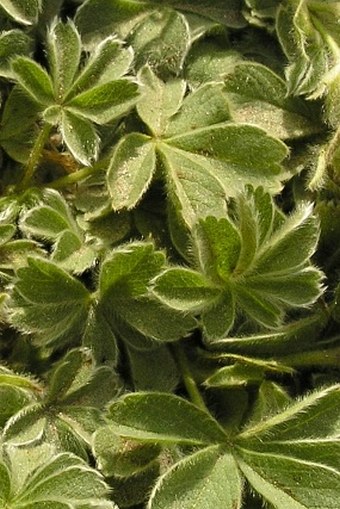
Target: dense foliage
[[169, 254]]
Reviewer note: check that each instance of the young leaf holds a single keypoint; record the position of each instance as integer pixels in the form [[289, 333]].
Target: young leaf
[[164, 418], [209, 478], [34, 80], [127, 186], [48, 302]]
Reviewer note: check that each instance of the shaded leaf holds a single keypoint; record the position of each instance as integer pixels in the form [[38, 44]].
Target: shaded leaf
[[22, 12], [12, 43]]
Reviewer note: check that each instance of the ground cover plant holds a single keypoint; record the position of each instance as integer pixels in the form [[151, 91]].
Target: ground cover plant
[[169, 254]]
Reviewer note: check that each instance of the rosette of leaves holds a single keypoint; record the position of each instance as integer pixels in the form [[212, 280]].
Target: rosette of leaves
[[66, 413], [289, 456], [74, 98], [256, 263], [203, 156]]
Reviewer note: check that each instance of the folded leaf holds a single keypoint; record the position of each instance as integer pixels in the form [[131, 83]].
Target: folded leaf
[[164, 418], [80, 137]]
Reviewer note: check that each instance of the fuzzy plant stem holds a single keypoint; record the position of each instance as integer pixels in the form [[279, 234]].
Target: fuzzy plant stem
[[72, 178], [35, 156], [188, 379]]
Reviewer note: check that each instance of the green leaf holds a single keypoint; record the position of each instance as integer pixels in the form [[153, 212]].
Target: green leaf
[[131, 169], [59, 478], [205, 107], [18, 124], [162, 40], [230, 15], [63, 50], [129, 269], [48, 219], [226, 312], [259, 97], [108, 61], [209, 479], [218, 246], [163, 418], [309, 36], [100, 338], [292, 459], [237, 375], [207, 61], [34, 80], [22, 11], [117, 456], [80, 137], [5, 483], [153, 369], [105, 102], [184, 290], [193, 186], [100, 18], [48, 302], [159, 100], [12, 43]]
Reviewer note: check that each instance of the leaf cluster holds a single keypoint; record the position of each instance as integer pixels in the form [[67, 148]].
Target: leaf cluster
[[169, 254]]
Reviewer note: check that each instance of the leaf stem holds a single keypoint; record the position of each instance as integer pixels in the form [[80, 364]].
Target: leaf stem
[[188, 379], [72, 178], [35, 155]]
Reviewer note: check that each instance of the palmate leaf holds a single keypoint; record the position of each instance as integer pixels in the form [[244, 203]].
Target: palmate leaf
[[203, 156], [292, 459], [258, 264], [124, 292], [62, 481], [51, 220], [48, 303]]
